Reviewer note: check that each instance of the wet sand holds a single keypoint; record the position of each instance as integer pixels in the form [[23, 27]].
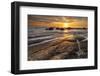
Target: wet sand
[[62, 46]]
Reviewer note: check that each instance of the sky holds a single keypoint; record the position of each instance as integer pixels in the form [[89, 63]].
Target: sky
[[57, 21]]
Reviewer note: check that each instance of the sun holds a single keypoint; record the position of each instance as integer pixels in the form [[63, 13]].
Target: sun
[[65, 25]]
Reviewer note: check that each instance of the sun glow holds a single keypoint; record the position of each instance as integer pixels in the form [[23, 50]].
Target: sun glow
[[65, 25]]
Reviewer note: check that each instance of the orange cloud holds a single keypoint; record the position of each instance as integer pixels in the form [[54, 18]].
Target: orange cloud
[[54, 21]]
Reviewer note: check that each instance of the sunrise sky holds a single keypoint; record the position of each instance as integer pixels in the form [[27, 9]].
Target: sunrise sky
[[57, 21]]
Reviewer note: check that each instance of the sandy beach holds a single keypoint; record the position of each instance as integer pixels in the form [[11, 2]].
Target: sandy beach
[[57, 45]]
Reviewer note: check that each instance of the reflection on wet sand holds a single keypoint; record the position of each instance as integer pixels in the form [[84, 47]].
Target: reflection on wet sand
[[58, 45]]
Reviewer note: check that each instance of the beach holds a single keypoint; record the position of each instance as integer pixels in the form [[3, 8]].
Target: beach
[[55, 45]]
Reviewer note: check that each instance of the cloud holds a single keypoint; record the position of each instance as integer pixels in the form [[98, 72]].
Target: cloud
[[47, 20]]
